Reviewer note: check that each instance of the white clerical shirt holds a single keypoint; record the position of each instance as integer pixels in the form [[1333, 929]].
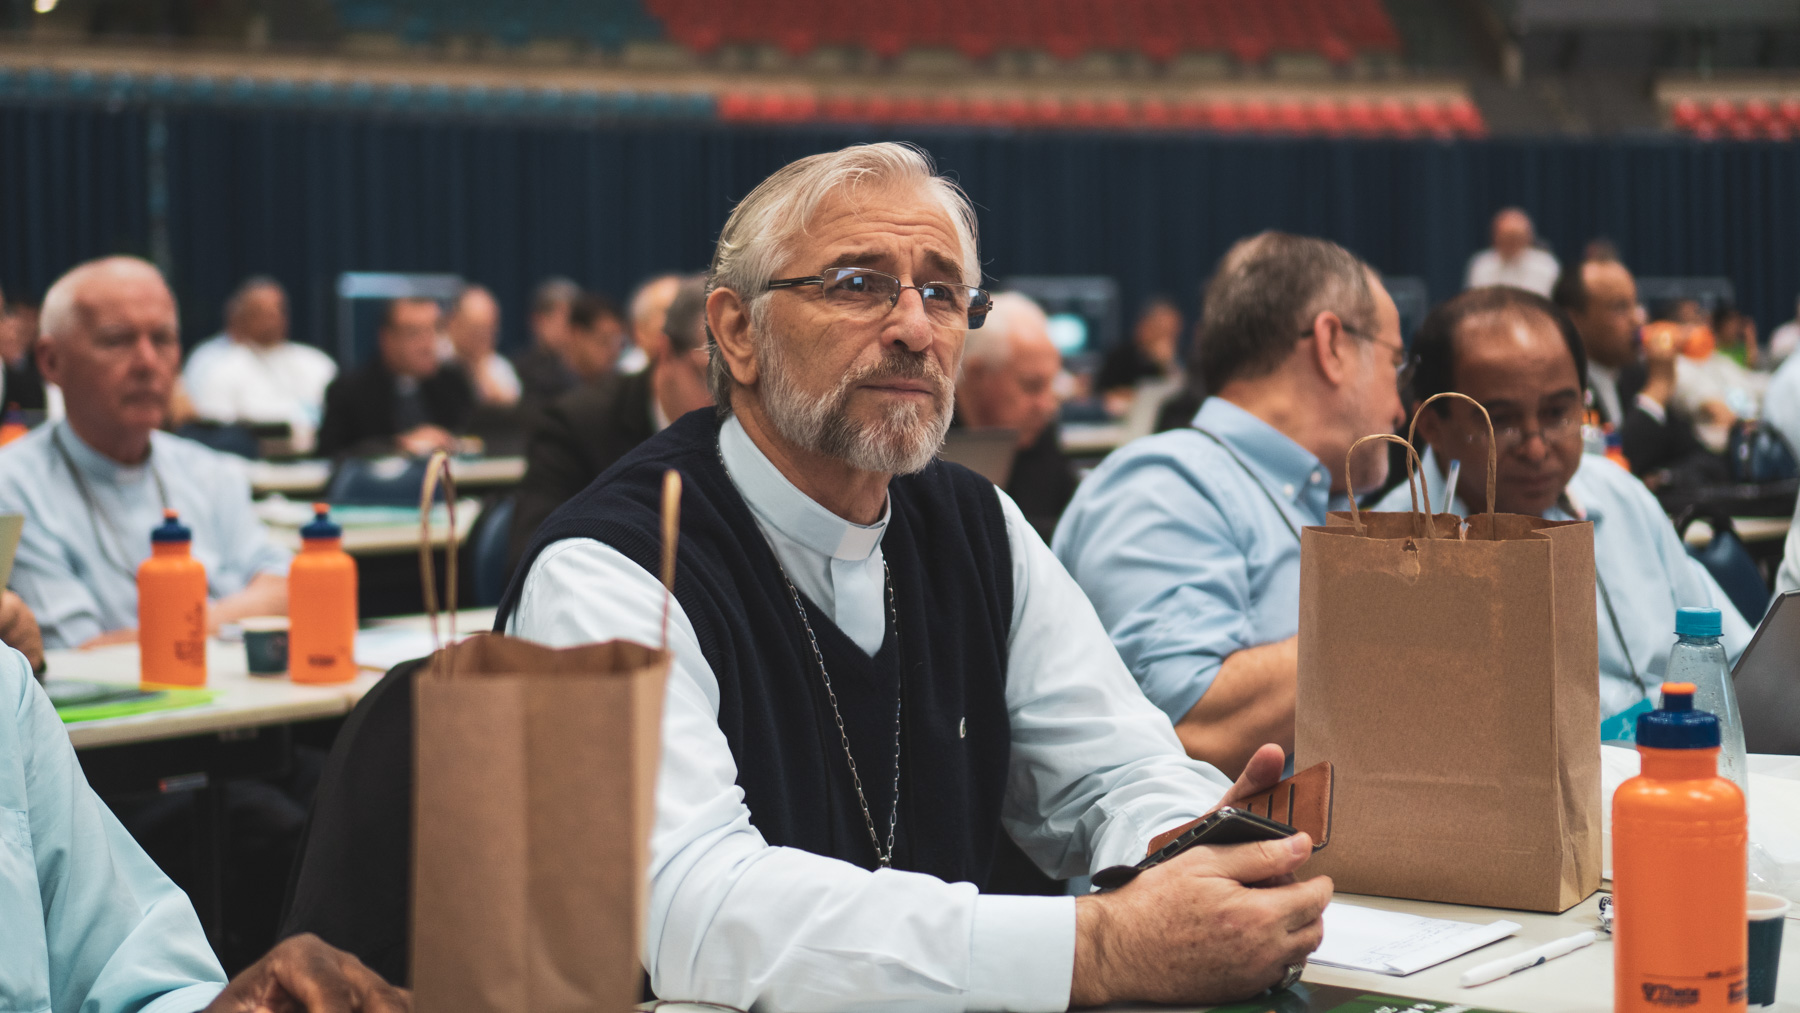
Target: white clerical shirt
[[1096, 772]]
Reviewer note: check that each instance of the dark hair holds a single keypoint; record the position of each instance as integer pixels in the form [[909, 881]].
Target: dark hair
[[1154, 304], [553, 292], [1570, 291], [588, 309], [1434, 346], [255, 282], [1265, 293], [387, 312]]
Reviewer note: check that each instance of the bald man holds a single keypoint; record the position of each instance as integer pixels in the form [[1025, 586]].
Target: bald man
[[649, 308], [1008, 380], [473, 327], [1515, 259], [93, 485], [253, 373]]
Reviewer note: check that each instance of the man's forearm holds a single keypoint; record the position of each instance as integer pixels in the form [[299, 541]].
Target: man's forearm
[[265, 595], [1250, 702]]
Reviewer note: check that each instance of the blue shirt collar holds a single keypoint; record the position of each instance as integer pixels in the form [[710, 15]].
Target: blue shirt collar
[[98, 466], [781, 505], [1286, 469]]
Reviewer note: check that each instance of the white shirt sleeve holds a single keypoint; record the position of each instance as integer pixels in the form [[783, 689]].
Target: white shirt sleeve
[[1096, 771]]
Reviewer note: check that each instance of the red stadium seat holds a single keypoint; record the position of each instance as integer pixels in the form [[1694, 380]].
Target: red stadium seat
[[1326, 117], [736, 106], [1466, 119], [1224, 116], [1686, 114], [1359, 116], [841, 108], [947, 109], [1291, 118], [1397, 118], [1155, 113]]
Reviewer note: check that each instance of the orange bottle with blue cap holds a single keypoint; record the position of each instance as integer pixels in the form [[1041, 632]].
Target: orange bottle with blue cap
[[1679, 869], [171, 610], [322, 604]]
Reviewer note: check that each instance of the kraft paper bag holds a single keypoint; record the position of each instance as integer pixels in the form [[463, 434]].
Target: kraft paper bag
[[534, 797], [1451, 677]]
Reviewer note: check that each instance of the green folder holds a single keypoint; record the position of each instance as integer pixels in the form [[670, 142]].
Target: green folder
[[91, 701]]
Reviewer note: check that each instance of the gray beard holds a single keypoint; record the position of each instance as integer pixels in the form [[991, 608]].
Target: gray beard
[[901, 443]]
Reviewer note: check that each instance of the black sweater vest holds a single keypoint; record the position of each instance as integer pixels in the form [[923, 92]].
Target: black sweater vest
[[947, 552]]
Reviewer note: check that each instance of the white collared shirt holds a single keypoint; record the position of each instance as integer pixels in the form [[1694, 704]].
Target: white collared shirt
[[1096, 771]]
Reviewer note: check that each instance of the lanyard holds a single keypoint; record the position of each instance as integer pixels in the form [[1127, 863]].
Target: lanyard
[[1254, 481], [95, 513]]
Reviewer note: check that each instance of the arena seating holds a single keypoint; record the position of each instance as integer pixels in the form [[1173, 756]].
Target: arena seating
[[1773, 117], [1353, 116], [1067, 29]]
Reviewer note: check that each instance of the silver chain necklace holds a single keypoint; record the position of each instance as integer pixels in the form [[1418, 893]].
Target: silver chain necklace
[[885, 856]]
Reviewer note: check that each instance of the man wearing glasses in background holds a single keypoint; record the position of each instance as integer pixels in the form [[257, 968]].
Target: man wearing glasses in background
[[1188, 542], [884, 686], [1521, 357]]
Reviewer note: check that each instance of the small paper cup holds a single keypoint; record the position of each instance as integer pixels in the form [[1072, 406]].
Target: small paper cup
[[1768, 913], [266, 644]]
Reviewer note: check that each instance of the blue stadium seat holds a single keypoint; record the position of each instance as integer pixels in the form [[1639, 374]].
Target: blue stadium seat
[[489, 548], [377, 481]]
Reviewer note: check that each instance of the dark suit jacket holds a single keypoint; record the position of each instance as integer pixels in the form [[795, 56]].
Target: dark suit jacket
[[575, 438], [543, 375], [1042, 481], [359, 408], [1665, 447]]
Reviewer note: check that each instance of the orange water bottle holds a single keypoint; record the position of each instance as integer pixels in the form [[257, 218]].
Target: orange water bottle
[[1679, 844], [171, 588], [322, 604]]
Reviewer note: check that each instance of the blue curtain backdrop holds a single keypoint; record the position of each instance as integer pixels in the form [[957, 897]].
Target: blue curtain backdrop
[[305, 195]]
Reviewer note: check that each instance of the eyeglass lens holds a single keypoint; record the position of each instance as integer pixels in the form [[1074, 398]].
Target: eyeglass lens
[[1552, 424], [863, 291]]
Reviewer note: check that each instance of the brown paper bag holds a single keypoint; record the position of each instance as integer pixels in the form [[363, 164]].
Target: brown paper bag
[[533, 800], [1451, 677]]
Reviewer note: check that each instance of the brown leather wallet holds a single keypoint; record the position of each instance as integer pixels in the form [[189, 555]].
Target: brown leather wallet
[[1302, 802]]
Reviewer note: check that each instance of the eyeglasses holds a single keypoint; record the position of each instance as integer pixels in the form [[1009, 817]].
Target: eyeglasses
[[1404, 366], [1554, 423], [869, 295]]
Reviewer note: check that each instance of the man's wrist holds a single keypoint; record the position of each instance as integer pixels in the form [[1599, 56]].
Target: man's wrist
[[1088, 985]]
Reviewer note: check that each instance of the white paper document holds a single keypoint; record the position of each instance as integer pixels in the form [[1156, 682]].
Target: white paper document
[[1389, 942]]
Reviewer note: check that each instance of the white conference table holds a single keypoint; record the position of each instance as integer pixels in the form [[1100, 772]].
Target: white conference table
[[389, 539], [243, 701], [309, 477], [1750, 529]]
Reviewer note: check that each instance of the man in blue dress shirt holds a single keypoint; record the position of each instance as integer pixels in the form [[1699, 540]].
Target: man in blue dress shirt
[[1188, 542], [91, 486], [88, 922], [1521, 357]]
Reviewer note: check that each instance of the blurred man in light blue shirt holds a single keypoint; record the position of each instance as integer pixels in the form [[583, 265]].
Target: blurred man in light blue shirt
[[1522, 359], [1188, 542], [89, 924], [92, 486]]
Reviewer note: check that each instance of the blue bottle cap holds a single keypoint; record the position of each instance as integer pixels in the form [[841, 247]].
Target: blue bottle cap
[[1676, 724], [170, 530], [321, 526], [1690, 622]]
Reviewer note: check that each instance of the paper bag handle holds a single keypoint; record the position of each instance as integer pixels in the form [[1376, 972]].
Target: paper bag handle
[[1412, 478], [438, 465], [671, 532], [1493, 461]]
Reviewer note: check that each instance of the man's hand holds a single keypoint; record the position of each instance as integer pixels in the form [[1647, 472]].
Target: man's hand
[[304, 973], [1191, 931], [19, 629], [422, 440]]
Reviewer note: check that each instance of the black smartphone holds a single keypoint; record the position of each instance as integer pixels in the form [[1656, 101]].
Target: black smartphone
[[1224, 825]]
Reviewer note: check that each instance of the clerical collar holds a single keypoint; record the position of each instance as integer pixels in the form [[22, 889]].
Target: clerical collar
[[779, 504]]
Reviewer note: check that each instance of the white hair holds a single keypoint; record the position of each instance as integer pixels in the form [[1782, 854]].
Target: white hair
[[645, 300], [991, 344], [63, 311], [761, 231]]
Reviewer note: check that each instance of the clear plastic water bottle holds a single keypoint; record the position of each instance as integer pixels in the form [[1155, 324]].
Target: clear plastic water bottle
[[1697, 657]]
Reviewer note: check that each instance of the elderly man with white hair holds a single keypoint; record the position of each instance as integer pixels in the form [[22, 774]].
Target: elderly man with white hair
[[1008, 381], [93, 485], [884, 686], [1515, 260]]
